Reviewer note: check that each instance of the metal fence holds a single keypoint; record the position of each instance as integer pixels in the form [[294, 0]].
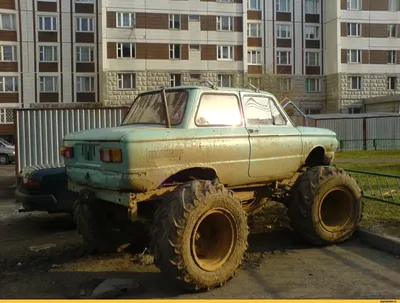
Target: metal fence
[[363, 133], [379, 187], [39, 132], [371, 144]]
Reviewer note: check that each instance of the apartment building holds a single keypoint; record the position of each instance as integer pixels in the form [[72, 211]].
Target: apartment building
[[362, 52], [328, 55]]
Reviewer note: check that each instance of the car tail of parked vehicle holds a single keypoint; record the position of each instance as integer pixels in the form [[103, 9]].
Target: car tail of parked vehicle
[[44, 188]]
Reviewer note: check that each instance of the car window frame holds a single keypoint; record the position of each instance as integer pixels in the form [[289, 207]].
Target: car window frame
[[276, 105], [239, 103], [187, 91]]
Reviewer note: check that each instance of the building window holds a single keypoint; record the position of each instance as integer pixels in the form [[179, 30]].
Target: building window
[[312, 111], [194, 47], [283, 31], [85, 84], [175, 80], [48, 84], [312, 59], [391, 83], [354, 4], [7, 22], [195, 76], [355, 110], [126, 50], [8, 84], [254, 57], [6, 115], [127, 20], [311, 6], [313, 85], [354, 56], [224, 23], [353, 29], [194, 17], [393, 5], [283, 58], [392, 31], [224, 81], [225, 52], [126, 81], [174, 51], [254, 5], [284, 84], [84, 54], [392, 57], [283, 6], [253, 30], [8, 53], [84, 24], [355, 83], [47, 23], [311, 32], [48, 54], [174, 21]]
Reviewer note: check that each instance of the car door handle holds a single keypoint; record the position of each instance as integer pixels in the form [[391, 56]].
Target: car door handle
[[252, 131]]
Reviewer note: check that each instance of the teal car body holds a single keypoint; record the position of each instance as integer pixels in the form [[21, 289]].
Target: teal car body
[[241, 135]]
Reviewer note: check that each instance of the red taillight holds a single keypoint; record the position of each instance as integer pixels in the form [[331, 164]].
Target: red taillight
[[67, 152], [31, 184], [110, 155]]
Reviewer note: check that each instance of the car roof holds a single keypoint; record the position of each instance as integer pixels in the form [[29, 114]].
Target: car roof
[[207, 88]]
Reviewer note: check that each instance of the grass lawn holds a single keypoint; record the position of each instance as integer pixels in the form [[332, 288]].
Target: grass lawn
[[379, 154], [378, 216]]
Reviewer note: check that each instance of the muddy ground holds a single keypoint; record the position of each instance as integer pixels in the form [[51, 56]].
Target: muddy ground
[[279, 264]]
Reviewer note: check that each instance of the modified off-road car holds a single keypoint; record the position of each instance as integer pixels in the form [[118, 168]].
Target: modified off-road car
[[192, 163]]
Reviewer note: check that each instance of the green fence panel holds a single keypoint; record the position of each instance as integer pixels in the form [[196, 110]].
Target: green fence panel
[[380, 187]]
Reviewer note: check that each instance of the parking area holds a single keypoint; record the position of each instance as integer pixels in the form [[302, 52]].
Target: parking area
[[278, 263]]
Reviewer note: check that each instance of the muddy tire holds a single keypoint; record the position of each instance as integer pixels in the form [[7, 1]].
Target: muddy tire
[[326, 205], [101, 231], [199, 235]]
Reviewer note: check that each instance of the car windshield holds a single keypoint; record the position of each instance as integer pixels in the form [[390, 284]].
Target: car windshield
[[6, 143], [149, 108]]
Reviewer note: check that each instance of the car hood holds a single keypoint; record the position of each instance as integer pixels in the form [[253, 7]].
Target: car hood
[[112, 133]]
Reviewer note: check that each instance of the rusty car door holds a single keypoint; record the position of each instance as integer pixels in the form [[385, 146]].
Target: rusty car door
[[275, 144]]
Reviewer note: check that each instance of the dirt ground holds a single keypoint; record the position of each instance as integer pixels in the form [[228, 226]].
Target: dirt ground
[[279, 264]]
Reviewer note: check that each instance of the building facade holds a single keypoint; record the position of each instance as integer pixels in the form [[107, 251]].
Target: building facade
[[363, 52], [326, 55]]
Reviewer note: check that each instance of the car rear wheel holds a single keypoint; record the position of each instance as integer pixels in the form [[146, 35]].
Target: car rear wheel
[[105, 227]]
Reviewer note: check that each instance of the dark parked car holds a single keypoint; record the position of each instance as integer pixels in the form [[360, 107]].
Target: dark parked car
[[44, 188]]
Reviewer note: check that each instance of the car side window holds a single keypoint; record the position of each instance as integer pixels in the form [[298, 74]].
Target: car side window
[[218, 110], [262, 111]]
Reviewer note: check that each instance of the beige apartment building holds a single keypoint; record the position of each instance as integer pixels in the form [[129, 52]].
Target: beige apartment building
[[327, 55]]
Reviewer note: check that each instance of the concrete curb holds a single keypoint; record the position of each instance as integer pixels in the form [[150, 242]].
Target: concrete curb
[[382, 242]]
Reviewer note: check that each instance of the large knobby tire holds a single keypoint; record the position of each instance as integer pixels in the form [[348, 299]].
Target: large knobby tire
[[326, 205], [101, 232], [199, 235]]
